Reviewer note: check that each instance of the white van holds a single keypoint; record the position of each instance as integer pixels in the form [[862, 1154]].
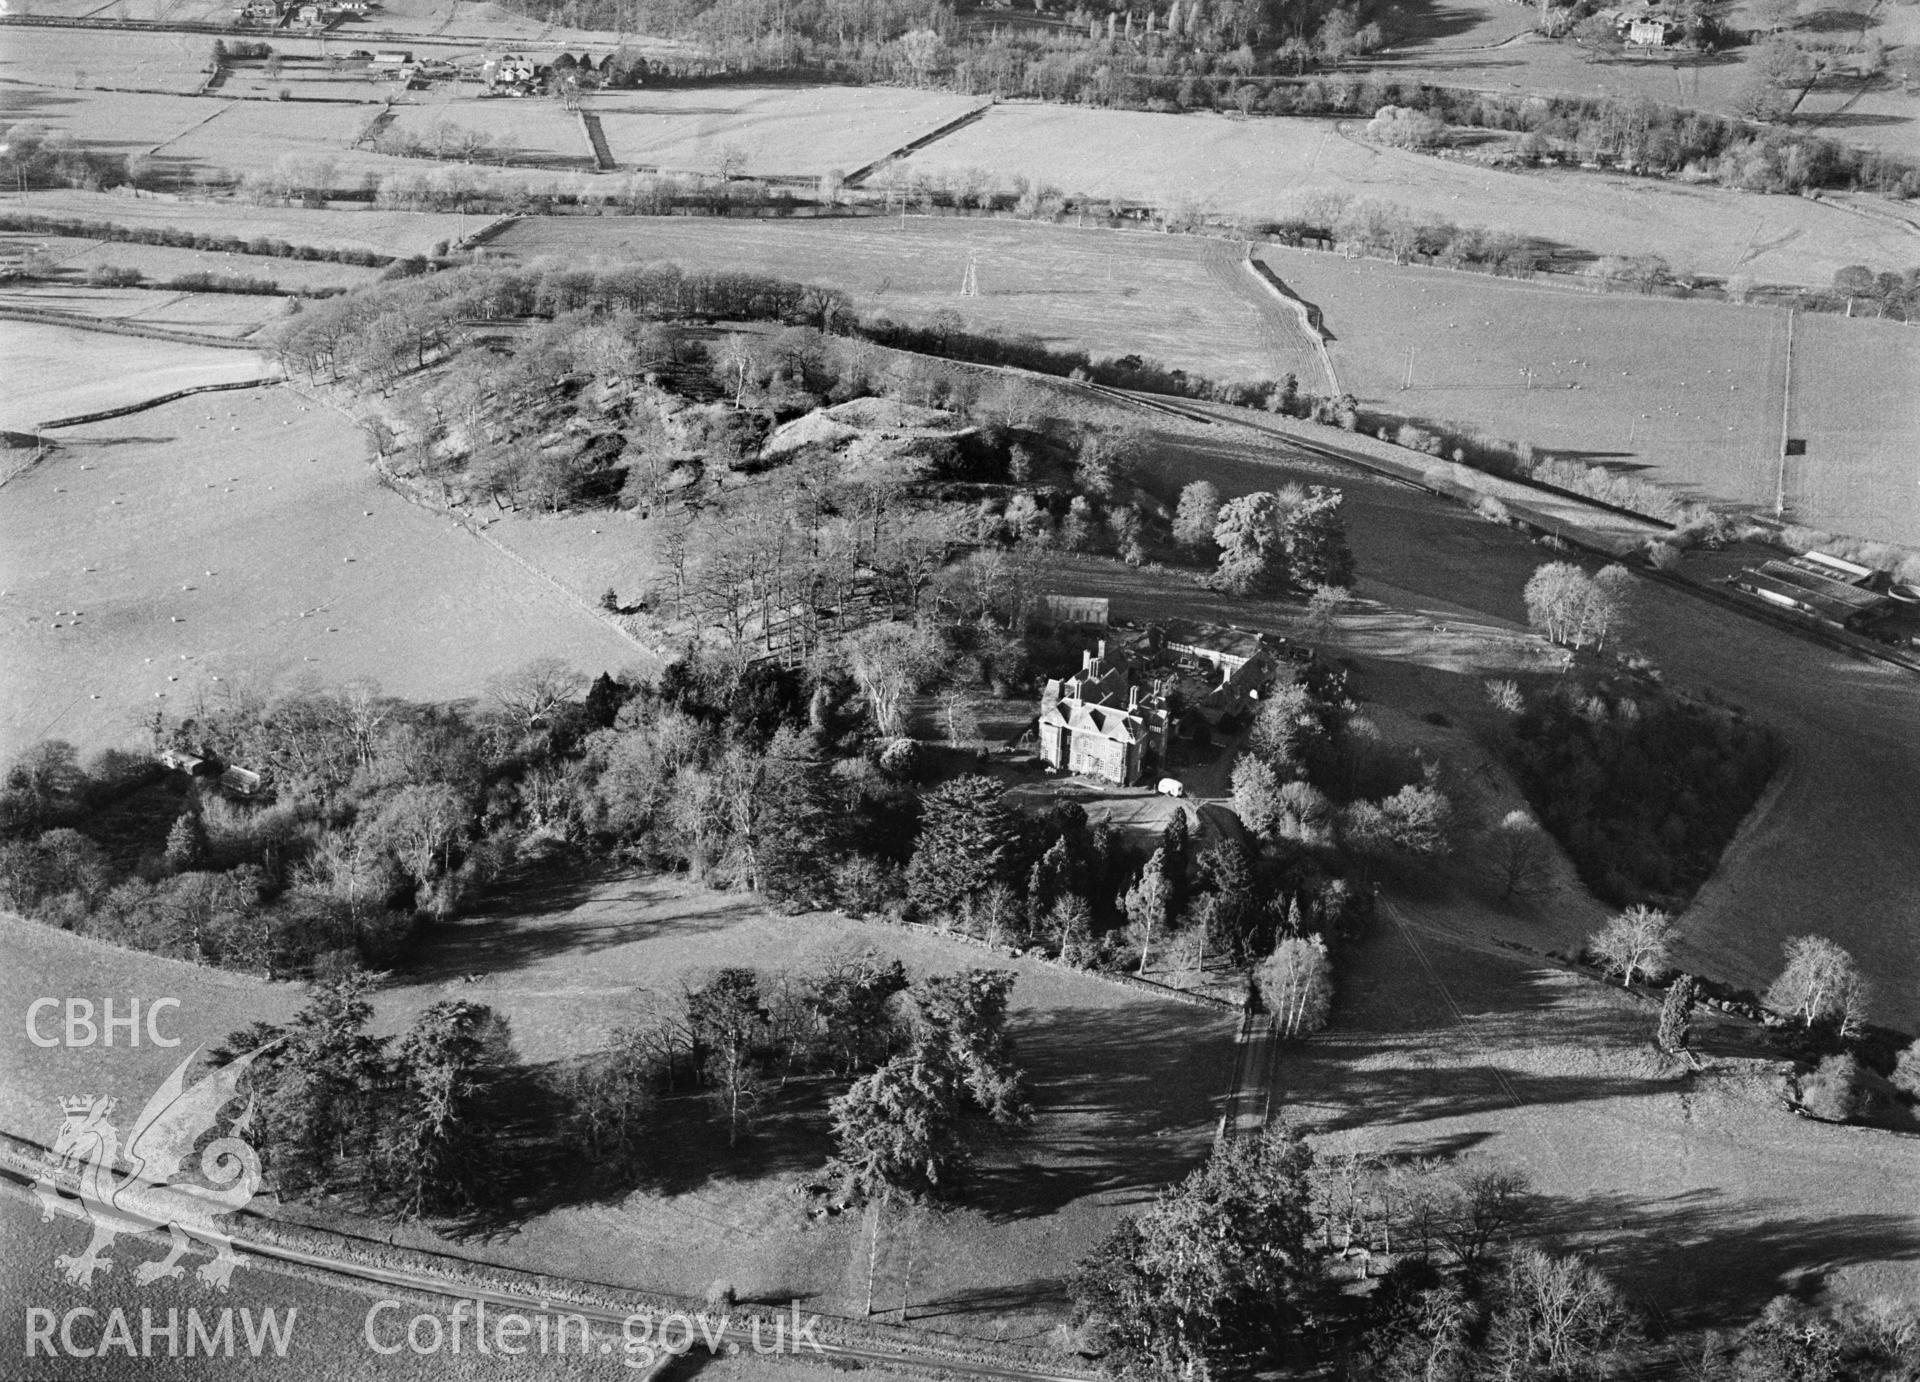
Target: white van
[[1171, 787]]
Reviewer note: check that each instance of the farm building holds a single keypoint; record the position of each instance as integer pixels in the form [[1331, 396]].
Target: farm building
[[1222, 646], [179, 760], [1096, 723], [241, 782], [510, 70], [1219, 671], [1077, 611], [1829, 589]]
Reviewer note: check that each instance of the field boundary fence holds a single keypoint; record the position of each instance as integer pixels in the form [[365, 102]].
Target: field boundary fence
[[80, 419], [487, 233], [597, 145], [913, 146], [116, 327]]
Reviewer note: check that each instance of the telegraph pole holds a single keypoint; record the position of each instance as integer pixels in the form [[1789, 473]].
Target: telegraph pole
[[1786, 406]]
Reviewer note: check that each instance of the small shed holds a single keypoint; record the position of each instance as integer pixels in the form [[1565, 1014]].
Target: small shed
[[179, 760], [241, 782]]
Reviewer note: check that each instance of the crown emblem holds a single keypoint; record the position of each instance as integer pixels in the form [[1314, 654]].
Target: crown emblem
[[78, 1103]]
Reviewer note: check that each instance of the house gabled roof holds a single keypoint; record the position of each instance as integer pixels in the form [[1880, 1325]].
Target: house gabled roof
[[1107, 721]]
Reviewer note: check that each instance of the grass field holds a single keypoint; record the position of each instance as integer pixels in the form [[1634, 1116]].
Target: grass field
[[1124, 1086], [1183, 301], [241, 537], [150, 61], [539, 130], [1701, 1194], [1856, 398], [791, 130], [230, 315], [353, 227], [1688, 393], [54, 372], [76, 256], [119, 122], [1265, 167], [244, 135]]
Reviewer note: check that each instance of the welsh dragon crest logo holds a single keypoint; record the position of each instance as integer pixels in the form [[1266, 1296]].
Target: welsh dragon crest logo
[[139, 1187]]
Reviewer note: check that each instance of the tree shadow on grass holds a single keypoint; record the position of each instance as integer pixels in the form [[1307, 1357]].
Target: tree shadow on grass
[[548, 915], [1348, 1098], [1125, 1101], [686, 1150], [1702, 1259], [1005, 1299]]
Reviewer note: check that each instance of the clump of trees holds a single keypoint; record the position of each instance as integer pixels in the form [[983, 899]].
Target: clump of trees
[[1575, 609], [1642, 788], [1237, 1270], [33, 156], [1826, 1342], [911, 1128], [444, 1120], [1269, 541], [413, 1124], [1821, 986]]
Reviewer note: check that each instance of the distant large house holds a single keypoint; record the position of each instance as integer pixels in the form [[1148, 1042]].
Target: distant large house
[[1651, 30], [1113, 719], [1095, 723]]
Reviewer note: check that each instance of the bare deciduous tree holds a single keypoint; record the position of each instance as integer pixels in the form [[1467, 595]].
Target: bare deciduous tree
[[536, 690], [890, 661], [1296, 984], [1820, 984], [1517, 855], [1637, 941]]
